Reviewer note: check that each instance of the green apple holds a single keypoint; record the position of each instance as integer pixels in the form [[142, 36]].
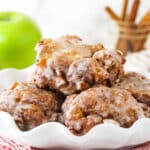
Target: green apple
[[18, 36]]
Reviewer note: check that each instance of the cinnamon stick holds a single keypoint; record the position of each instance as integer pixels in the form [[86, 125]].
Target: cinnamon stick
[[133, 12], [132, 36], [112, 13], [145, 19], [124, 10]]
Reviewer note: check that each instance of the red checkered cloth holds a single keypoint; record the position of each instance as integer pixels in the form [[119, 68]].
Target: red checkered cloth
[[6, 144]]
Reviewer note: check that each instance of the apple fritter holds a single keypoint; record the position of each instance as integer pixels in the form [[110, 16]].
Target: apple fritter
[[29, 106], [69, 66], [91, 107], [137, 85]]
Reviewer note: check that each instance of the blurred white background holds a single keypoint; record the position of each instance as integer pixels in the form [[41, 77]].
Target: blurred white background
[[85, 18]]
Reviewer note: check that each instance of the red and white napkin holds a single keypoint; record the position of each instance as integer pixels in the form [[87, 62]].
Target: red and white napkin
[[7, 144]]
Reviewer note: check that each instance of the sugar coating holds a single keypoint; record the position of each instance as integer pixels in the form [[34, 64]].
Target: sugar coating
[[28, 105], [70, 66], [93, 106]]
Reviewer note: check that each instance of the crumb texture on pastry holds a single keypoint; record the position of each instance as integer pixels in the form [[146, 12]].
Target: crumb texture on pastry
[[137, 85], [28, 105], [70, 66], [91, 107]]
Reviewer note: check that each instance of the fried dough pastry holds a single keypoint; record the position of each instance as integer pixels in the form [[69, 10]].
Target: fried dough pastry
[[28, 105], [137, 85], [91, 107], [146, 109], [107, 66], [69, 66]]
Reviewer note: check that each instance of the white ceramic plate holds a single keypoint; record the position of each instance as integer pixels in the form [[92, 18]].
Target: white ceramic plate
[[54, 134]]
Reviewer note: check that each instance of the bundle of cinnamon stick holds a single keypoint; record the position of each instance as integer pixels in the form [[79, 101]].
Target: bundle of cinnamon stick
[[132, 35]]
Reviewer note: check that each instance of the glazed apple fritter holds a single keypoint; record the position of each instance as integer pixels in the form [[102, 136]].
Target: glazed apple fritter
[[28, 105], [137, 85], [89, 108], [69, 66]]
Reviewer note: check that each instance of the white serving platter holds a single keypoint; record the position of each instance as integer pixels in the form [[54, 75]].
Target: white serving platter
[[53, 134]]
